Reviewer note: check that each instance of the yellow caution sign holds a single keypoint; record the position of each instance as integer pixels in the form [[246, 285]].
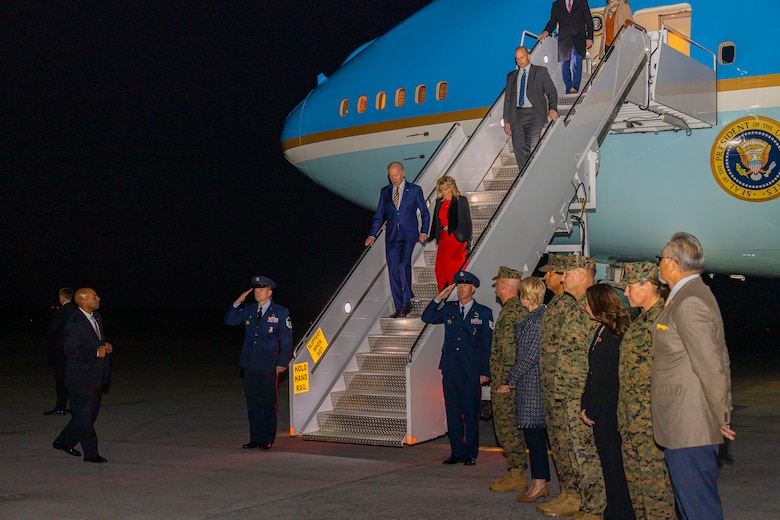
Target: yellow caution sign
[[301, 377], [317, 345]]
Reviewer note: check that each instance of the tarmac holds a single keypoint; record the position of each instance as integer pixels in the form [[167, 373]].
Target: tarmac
[[174, 421]]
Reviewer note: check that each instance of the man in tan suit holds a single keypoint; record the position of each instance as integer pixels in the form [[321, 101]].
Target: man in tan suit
[[691, 381]]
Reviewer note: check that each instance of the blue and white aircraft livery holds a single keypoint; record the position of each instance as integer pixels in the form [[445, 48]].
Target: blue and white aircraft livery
[[395, 98]]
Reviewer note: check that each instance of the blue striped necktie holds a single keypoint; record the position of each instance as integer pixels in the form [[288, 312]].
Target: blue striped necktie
[[521, 93]]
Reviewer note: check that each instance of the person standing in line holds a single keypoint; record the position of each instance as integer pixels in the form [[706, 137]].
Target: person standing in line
[[525, 377], [398, 205], [555, 415], [502, 358], [575, 37], [599, 398], [691, 381], [465, 363], [57, 348], [571, 371], [529, 99], [451, 228], [87, 368], [645, 468], [265, 354]]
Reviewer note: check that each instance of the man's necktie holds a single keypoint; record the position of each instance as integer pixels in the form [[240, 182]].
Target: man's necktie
[[521, 93], [568, 5], [462, 313], [93, 321], [396, 197]]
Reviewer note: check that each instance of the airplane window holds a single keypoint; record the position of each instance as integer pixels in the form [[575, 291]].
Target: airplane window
[[727, 53], [441, 91], [344, 107], [400, 97], [419, 94], [381, 100], [361, 104]]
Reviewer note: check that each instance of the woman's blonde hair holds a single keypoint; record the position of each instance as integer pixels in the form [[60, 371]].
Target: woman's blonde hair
[[447, 182], [532, 289]]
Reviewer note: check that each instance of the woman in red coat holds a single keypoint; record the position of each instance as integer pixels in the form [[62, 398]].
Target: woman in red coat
[[451, 228]]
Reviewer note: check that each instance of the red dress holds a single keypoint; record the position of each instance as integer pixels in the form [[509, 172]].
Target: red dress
[[450, 254]]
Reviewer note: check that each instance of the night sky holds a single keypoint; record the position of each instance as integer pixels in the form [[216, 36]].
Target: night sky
[[141, 149]]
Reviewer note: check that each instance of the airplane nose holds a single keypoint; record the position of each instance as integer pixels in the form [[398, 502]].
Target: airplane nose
[[291, 131]]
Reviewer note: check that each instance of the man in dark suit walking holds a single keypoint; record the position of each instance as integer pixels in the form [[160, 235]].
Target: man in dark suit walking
[[529, 99], [398, 205], [690, 390], [465, 362], [86, 371], [575, 37], [57, 345]]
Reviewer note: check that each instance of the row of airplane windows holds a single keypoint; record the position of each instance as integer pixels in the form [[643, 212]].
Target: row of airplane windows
[[380, 101]]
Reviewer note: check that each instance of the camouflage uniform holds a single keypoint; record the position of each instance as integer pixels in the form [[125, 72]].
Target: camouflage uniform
[[550, 331], [646, 472], [571, 371], [502, 357]]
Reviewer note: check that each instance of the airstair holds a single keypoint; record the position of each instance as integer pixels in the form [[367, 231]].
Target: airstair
[[360, 377]]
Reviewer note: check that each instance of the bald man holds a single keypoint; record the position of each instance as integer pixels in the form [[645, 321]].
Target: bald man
[[86, 371]]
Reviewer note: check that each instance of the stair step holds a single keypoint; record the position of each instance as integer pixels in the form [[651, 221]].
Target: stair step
[[369, 402], [410, 325], [424, 274], [367, 381], [377, 424], [356, 438], [391, 343], [499, 184], [383, 362], [425, 290], [505, 171], [430, 256]]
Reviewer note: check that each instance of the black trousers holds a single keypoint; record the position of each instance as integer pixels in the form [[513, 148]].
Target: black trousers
[[608, 445], [84, 407], [536, 439]]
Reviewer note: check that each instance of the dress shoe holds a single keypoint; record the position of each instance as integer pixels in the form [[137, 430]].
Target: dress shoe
[[542, 493], [70, 451], [396, 314], [266, 445], [97, 459], [468, 461], [406, 309], [55, 411], [251, 445], [453, 460], [573, 90]]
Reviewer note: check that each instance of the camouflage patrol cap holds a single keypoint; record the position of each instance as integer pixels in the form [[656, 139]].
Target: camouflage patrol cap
[[508, 272], [634, 272], [553, 263], [570, 262]]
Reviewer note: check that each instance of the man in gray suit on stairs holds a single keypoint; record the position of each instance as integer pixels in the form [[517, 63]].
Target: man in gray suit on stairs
[[530, 98]]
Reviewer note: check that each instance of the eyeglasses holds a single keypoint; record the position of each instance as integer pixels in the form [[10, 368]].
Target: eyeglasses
[[659, 258]]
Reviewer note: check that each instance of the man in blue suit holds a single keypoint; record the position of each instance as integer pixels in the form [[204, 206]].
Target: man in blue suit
[[398, 205], [465, 362], [265, 354], [86, 372]]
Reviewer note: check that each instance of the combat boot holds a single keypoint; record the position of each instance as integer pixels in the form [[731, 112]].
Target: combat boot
[[582, 515], [514, 481], [554, 502], [570, 506]]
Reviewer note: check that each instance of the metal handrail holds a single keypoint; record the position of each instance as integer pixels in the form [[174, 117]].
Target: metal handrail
[[365, 251], [668, 28]]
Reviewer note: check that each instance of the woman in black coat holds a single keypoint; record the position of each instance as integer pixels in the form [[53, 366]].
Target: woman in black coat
[[599, 399], [451, 228]]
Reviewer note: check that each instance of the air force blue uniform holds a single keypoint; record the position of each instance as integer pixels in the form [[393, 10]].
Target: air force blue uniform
[[465, 356], [267, 345], [402, 234]]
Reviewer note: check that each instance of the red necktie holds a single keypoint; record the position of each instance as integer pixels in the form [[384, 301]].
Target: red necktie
[[568, 5]]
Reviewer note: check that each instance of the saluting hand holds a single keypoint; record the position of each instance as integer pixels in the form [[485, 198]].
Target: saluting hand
[[242, 296], [445, 292]]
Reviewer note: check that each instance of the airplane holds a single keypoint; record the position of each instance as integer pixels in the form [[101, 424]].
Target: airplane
[[395, 98]]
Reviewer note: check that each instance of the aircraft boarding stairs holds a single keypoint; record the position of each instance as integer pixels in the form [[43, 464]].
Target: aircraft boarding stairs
[[360, 377]]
